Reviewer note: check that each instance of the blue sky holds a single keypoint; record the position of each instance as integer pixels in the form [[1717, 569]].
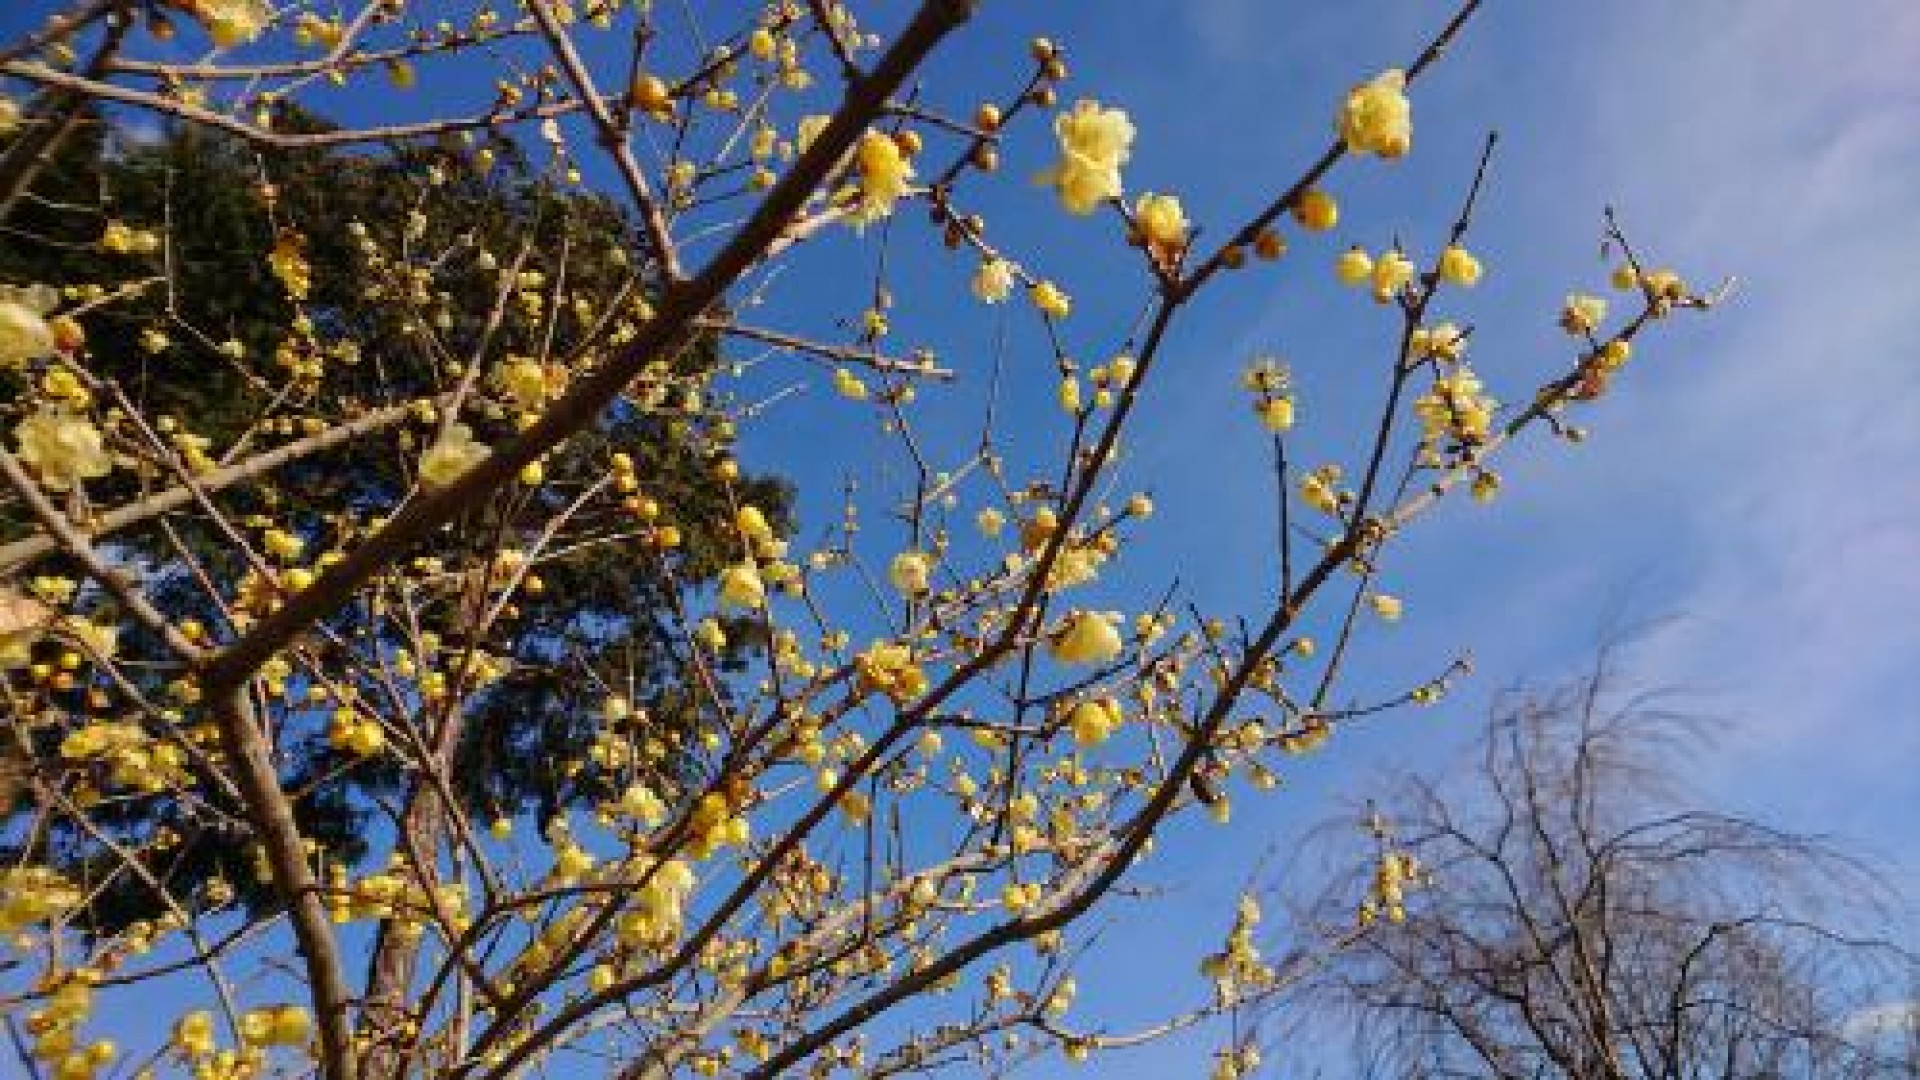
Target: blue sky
[[1753, 478]]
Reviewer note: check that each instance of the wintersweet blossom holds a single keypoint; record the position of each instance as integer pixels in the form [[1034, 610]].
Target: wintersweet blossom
[[1583, 314], [911, 572], [63, 448], [1276, 414], [1385, 606], [233, 22], [1354, 266], [1086, 637], [1458, 266], [1162, 221], [1392, 272], [884, 172], [1093, 722], [9, 115], [24, 332], [1377, 118], [1094, 142], [993, 281], [741, 587], [451, 456], [1050, 300]]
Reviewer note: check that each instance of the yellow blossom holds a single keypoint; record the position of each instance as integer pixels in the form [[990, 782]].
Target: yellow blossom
[[451, 456], [1377, 118], [1353, 267], [1392, 272], [1387, 607], [741, 587], [1162, 221], [1094, 142], [1276, 414], [993, 281], [1582, 314], [1093, 722], [884, 172], [63, 448], [1050, 300], [24, 332], [1086, 637], [233, 22], [911, 572], [1459, 267]]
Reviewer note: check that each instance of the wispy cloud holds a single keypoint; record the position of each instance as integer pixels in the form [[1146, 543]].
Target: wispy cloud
[[1784, 147]]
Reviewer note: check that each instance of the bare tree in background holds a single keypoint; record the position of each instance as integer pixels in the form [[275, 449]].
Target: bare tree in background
[[1563, 911]]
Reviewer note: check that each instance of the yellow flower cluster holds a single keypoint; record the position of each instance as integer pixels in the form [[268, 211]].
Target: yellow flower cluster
[[1458, 405], [659, 906], [119, 238], [63, 448], [1271, 385], [888, 667], [33, 894], [132, 757]]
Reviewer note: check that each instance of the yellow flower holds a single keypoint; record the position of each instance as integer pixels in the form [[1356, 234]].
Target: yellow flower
[[911, 572], [1320, 489], [24, 333], [233, 22], [1392, 272], [1094, 143], [449, 458], [1387, 607], [1093, 721], [993, 281], [1377, 118], [1050, 300], [1457, 404], [1276, 414], [1162, 221], [990, 521], [889, 667], [9, 115], [849, 385], [1583, 314], [1459, 267], [740, 586], [22, 622], [1086, 637], [63, 448], [1353, 267], [884, 172]]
